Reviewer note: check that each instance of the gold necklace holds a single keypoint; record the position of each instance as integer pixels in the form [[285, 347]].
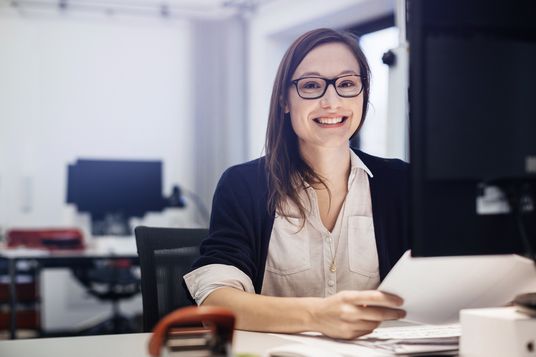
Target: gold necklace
[[333, 265]]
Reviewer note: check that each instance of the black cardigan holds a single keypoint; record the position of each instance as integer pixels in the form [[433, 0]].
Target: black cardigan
[[241, 225]]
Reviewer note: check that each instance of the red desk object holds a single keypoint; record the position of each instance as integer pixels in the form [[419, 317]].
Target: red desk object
[[50, 239], [203, 328]]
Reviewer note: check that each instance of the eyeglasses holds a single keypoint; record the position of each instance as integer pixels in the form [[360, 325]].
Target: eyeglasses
[[346, 86]]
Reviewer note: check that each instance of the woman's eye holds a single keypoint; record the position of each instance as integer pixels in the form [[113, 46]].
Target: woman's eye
[[310, 85], [346, 84]]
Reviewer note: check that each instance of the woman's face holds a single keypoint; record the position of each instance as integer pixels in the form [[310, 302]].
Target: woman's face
[[328, 121]]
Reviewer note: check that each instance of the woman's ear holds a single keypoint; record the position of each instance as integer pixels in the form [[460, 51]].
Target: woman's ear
[[287, 110]]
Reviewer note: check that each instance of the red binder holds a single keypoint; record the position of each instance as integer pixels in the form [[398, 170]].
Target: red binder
[[50, 239]]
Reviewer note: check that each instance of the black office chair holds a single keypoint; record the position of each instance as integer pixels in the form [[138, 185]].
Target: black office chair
[[165, 256], [110, 280]]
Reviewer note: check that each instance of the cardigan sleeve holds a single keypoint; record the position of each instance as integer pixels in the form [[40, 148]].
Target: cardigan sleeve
[[231, 239]]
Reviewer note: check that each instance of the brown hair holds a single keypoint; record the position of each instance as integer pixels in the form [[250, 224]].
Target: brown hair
[[286, 169]]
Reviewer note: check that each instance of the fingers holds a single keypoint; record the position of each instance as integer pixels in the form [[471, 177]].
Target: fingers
[[372, 297], [352, 313], [349, 330], [364, 325], [373, 313]]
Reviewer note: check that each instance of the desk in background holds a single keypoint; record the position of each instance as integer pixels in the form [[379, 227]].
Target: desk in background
[[119, 248]]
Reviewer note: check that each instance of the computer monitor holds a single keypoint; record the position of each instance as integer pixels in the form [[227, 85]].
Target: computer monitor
[[113, 191], [472, 126]]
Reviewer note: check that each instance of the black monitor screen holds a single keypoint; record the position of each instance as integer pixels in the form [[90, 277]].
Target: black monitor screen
[[103, 187], [480, 106], [472, 125]]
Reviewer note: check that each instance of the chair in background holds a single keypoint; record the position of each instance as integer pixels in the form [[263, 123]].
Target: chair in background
[[165, 256], [110, 280]]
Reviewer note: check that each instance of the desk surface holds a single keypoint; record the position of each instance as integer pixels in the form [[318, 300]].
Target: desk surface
[[135, 345], [128, 345]]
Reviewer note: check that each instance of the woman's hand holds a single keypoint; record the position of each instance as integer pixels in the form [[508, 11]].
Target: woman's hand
[[349, 314]]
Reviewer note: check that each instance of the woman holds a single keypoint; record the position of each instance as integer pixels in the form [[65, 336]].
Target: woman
[[300, 238]]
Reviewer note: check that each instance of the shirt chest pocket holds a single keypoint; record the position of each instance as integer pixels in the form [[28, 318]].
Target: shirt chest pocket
[[362, 252], [289, 250]]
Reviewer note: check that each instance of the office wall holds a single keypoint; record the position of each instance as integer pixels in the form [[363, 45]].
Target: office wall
[[100, 88], [219, 99]]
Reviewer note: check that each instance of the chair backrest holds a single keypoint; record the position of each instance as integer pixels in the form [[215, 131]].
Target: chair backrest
[[165, 256]]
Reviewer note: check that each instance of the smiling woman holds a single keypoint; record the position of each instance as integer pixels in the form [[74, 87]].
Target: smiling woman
[[300, 238]]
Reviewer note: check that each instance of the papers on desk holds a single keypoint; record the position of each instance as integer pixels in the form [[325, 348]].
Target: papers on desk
[[414, 339], [436, 289], [388, 341], [326, 343]]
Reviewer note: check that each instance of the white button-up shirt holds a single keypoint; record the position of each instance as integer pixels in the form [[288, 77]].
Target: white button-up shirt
[[299, 260]]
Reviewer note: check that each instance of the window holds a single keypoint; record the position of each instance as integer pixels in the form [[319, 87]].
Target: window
[[376, 38]]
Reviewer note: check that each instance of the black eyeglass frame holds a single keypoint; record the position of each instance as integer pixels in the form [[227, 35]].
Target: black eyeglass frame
[[332, 81]]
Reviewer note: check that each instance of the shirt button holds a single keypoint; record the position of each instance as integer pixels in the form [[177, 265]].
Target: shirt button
[[331, 282]]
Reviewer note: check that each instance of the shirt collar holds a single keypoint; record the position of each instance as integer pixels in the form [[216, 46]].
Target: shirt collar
[[356, 163]]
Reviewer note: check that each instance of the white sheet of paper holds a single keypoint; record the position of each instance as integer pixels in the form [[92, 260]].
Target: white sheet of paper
[[435, 289], [369, 346], [347, 348]]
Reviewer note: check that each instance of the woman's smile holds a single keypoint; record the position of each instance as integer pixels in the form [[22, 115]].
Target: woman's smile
[[330, 122]]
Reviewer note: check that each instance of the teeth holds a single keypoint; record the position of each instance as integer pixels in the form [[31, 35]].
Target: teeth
[[329, 120]]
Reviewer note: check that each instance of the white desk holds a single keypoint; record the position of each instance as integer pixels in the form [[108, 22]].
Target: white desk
[[127, 345], [117, 248]]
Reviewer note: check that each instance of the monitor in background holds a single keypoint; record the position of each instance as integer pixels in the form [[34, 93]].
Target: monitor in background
[[472, 127], [113, 191]]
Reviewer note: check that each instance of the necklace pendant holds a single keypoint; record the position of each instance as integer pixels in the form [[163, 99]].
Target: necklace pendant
[[333, 267]]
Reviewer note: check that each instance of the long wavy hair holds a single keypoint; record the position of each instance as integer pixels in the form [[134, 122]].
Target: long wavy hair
[[287, 172]]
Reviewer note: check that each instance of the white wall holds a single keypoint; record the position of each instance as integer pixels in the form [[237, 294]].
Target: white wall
[[97, 89], [219, 89], [91, 88]]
